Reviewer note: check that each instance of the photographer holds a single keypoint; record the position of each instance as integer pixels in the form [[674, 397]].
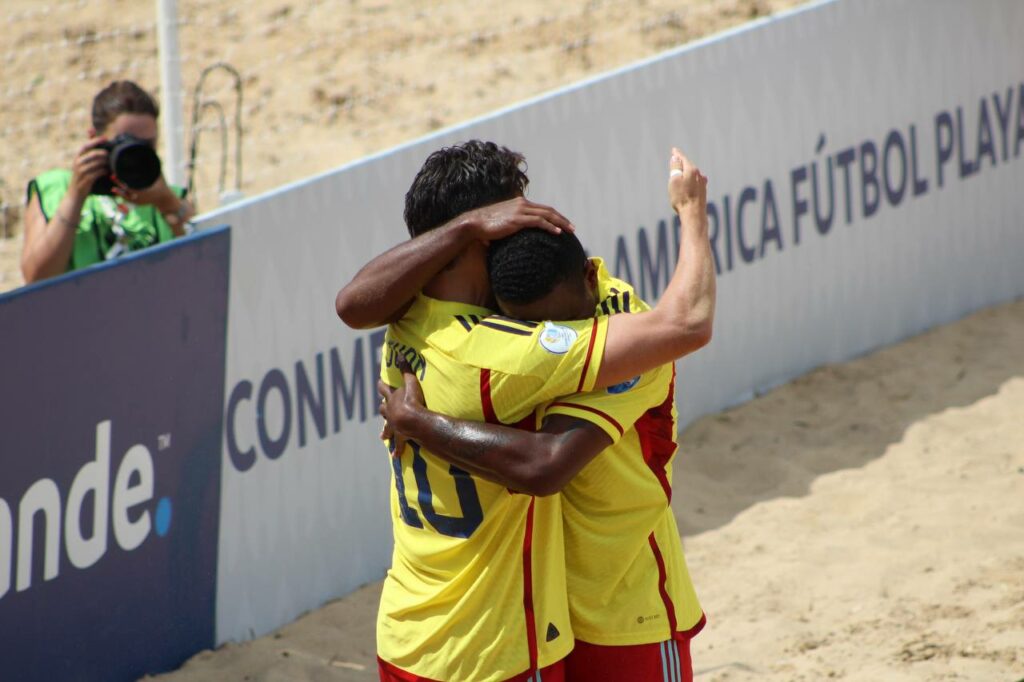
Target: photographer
[[113, 199]]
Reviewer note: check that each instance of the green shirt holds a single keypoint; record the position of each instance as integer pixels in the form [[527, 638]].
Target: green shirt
[[96, 238]]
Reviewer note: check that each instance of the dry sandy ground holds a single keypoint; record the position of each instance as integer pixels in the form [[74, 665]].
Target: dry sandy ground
[[864, 522], [324, 81]]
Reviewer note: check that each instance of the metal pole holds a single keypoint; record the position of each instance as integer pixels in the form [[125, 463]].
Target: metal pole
[[170, 92]]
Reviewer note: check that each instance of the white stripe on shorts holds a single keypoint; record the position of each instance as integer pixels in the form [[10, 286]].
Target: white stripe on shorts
[[671, 669], [668, 667]]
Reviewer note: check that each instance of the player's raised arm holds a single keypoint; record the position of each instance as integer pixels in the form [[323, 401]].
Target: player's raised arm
[[383, 289], [682, 320]]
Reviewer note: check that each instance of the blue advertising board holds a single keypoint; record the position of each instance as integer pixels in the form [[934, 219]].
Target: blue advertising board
[[111, 396]]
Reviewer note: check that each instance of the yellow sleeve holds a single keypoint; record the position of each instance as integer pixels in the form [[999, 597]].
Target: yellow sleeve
[[563, 356], [616, 408]]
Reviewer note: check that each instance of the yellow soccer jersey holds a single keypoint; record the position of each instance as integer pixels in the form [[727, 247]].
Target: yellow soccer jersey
[[476, 591], [627, 576]]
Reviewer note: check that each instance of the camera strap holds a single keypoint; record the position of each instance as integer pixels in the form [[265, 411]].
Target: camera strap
[[116, 212]]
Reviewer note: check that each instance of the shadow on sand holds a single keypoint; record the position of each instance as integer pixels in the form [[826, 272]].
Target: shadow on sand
[[839, 416]]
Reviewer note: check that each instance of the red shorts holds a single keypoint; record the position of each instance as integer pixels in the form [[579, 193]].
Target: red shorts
[[655, 662], [552, 673]]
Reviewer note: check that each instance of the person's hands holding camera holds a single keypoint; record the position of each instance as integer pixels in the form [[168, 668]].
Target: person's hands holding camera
[[91, 163], [175, 211], [159, 194]]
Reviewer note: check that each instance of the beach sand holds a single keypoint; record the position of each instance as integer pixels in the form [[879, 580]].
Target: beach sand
[[863, 522], [324, 82]]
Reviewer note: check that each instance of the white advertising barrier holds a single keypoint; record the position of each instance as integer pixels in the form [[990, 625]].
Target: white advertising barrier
[[865, 184]]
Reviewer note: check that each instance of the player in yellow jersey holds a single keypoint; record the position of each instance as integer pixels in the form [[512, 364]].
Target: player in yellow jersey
[[632, 604], [476, 590], [459, 603]]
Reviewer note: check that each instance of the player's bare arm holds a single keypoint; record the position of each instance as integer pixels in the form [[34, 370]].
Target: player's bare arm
[[537, 463], [382, 290], [682, 320]]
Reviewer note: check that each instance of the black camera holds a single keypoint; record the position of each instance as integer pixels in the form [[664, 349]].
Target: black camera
[[133, 163]]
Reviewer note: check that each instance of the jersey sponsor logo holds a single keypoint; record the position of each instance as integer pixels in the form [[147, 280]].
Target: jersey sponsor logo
[[557, 339], [624, 386]]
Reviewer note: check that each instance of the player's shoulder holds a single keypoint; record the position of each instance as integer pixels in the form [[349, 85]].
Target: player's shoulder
[[615, 295], [655, 381], [520, 347], [620, 300], [438, 323]]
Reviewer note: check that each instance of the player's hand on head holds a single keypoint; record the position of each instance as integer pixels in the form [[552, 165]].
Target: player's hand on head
[[687, 186], [508, 217]]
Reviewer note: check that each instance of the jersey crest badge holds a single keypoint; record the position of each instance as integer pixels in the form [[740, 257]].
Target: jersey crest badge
[[625, 385], [557, 339]]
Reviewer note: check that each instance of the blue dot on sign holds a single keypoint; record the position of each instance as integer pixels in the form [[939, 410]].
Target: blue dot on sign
[[163, 516]]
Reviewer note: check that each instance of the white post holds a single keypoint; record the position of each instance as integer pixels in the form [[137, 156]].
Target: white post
[[170, 92]]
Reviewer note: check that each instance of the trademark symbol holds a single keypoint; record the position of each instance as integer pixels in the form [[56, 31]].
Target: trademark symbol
[[163, 441]]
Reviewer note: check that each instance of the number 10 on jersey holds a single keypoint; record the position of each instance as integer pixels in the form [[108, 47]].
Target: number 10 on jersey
[[465, 488]]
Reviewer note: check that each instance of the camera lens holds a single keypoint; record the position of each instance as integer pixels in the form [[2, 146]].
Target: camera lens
[[135, 163]]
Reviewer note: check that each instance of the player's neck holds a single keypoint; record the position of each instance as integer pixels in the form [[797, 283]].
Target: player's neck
[[457, 287]]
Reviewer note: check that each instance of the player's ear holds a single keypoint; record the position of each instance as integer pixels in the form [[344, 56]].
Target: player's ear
[[590, 275]]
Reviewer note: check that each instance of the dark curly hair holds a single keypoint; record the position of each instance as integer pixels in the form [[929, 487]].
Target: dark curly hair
[[121, 97], [528, 265], [457, 179]]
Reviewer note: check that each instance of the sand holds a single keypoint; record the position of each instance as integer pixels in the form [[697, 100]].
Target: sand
[[863, 522]]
